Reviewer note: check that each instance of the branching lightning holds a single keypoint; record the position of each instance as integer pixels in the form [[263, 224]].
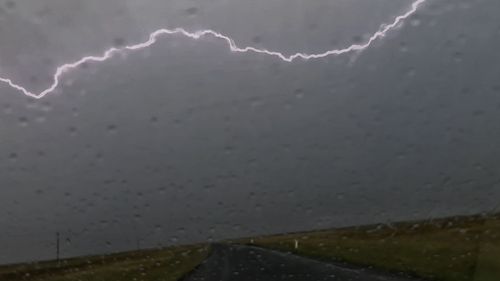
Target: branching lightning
[[153, 37]]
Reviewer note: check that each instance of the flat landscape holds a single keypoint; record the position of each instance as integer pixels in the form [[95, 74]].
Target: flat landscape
[[168, 264], [449, 249]]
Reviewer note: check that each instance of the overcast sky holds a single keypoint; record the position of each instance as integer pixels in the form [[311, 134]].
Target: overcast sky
[[188, 142]]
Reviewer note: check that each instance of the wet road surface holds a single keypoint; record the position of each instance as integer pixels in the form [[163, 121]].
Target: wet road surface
[[246, 263]]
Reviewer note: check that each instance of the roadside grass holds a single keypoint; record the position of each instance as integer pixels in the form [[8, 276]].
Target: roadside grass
[[168, 264], [488, 263], [451, 249]]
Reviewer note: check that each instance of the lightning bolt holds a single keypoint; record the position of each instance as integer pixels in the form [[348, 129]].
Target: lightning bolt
[[196, 35]]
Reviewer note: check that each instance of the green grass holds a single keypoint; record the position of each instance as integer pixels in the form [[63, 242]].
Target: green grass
[[453, 249], [488, 262], [168, 264]]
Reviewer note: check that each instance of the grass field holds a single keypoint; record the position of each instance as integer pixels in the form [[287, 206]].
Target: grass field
[[450, 249], [453, 249], [168, 264]]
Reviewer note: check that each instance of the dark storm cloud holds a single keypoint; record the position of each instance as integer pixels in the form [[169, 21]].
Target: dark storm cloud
[[186, 142]]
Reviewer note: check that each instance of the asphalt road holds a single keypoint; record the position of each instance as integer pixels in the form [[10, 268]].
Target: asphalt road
[[242, 263]]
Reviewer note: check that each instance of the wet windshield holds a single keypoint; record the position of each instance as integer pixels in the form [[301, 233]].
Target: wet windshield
[[249, 140]]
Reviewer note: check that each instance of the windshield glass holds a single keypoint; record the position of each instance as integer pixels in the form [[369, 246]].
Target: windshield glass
[[249, 140]]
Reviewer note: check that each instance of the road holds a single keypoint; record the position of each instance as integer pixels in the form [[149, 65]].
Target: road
[[246, 263]]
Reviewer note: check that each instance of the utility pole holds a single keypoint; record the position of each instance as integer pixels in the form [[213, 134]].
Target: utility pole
[[57, 246]]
